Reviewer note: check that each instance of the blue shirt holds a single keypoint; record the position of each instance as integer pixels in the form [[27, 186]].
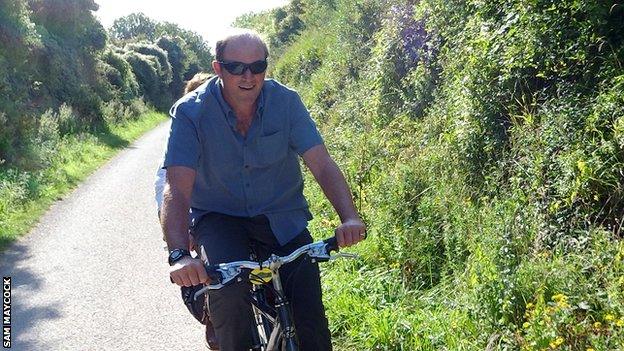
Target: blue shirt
[[258, 174]]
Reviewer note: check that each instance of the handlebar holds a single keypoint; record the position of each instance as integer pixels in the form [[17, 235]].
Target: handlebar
[[224, 273]]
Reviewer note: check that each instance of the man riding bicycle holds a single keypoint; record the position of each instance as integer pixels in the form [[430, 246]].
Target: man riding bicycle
[[232, 159]]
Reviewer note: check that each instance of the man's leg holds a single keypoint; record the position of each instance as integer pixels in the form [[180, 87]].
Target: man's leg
[[224, 240], [301, 282]]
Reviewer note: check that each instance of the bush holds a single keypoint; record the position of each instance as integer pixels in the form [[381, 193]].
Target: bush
[[164, 67], [146, 71], [116, 112], [303, 58], [151, 75], [178, 61], [119, 73]]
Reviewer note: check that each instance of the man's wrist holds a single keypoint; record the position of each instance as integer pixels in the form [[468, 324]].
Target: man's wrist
[[176, 255], [352, 218]]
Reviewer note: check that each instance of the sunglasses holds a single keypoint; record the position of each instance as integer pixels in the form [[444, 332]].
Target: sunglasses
[[238, 68]]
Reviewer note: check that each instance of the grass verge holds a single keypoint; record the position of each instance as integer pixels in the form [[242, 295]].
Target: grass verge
[[25, 195]]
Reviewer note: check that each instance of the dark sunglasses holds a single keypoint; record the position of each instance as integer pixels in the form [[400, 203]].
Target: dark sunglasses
[[238, 68]]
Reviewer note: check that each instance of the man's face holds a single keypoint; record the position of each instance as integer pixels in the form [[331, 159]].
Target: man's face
[[245, 88]]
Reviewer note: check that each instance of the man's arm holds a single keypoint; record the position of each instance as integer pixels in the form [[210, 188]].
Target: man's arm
[[330, 178], [175, 224]]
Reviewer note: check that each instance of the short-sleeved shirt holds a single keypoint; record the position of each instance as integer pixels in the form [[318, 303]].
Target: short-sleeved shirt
[[258, 174]]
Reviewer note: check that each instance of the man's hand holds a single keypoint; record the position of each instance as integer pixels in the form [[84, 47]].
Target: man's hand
[[188, 271], [351, 232]]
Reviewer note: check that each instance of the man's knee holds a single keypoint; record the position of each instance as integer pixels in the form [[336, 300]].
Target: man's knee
[[230, 300], [231, 316]]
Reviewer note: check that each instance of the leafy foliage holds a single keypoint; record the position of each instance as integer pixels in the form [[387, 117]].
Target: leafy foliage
[[57, 54], [137, 27], [483, 143], [119, 73], [134, 26], [64, 87]]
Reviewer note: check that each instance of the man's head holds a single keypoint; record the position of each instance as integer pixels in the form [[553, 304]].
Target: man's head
[[241, 64]]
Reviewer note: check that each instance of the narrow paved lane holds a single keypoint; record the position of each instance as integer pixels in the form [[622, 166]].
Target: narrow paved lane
[[93, 274]]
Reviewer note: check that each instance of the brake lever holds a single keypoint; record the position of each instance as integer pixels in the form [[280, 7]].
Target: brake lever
[[343, 254], [321, 254], [224, 281], [225, 277]]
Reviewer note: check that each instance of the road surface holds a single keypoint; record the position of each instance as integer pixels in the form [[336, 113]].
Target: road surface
[[92, 275]]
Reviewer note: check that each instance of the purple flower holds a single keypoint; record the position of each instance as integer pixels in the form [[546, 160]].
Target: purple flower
[[414, 37]]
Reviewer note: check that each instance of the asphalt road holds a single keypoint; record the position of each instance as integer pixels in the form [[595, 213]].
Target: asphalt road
[[92, 275]]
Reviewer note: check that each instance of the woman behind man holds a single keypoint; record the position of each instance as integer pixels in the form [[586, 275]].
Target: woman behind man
[[198, 310]]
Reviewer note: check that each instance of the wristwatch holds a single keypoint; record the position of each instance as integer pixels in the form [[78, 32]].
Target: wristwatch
[[177, 254]]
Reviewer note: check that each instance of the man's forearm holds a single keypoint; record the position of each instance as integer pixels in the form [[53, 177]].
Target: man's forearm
[[175, 219], [337, 191]]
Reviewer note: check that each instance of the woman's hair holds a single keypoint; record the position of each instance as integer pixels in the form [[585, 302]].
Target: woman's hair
[[197, 80]]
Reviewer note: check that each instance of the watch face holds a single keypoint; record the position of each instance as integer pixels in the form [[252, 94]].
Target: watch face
[[175, 255]]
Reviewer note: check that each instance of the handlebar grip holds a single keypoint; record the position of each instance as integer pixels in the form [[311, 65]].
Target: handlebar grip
[[214, 275], [331, 244]]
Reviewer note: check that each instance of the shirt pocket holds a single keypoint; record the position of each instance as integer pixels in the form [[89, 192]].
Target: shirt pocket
[[271, 149]]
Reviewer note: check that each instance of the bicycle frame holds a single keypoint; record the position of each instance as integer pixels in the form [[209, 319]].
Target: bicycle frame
[[283, 329], [273, 326]]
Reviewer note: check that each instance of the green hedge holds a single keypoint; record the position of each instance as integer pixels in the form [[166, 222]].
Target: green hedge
[[483, 143]]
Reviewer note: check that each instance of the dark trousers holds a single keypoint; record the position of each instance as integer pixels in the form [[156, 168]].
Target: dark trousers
[[228, 238]]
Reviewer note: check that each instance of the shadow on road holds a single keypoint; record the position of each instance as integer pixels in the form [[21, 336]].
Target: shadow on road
[[25, 315]]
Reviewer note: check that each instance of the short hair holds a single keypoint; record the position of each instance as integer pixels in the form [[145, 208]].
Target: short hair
[[197, 80], [239, 34]]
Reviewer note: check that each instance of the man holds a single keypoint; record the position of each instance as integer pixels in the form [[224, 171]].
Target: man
[[232, 158]]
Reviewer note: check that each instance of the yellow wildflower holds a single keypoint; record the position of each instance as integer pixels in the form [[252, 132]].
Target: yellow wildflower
[[620, 322], [559, 298], [525, 325], [555, 343], [609, 317], [597, 325], [530, 305], [590, 349]]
